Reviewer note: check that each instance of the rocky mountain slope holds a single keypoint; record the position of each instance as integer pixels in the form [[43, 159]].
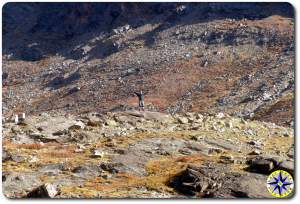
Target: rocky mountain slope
[[143, 155], [219, 83], [232, 57]]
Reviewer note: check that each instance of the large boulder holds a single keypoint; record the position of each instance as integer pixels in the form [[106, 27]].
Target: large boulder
[[44, 191], [261, 165], [287, 166], [193, 181]]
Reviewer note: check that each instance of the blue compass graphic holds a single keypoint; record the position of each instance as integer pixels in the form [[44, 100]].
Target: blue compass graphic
[[280, 183]]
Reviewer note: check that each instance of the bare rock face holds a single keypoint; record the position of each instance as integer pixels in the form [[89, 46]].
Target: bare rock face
[[87, 171]]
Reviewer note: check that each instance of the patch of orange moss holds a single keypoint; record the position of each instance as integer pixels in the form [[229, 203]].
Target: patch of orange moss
[[159, 173]]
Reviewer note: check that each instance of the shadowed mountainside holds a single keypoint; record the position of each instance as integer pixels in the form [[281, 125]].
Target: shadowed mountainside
[[204, 57]]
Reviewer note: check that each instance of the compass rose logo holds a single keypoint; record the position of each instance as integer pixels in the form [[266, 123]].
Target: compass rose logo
[[280, 184]]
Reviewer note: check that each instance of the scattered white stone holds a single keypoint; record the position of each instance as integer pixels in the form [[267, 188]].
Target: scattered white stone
[[16, 119], [220, 115], [111, 123], [98, 153], [23, 116], [266, 97], [183, 120], [51, 190], [214, 127], [199, 116], [255, 152], [33, 159], [243, 121], [249, 132]]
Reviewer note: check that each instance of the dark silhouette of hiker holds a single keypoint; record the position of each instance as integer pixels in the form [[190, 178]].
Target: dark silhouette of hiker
[[141, 97]]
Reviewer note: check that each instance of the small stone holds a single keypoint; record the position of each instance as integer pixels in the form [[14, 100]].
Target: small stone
[[199, 116], [226, 159], [6, 156], [244, 122], [108, 167], [229, 125], [184, 151], [22, 117], [77, 126], [17, 119], [254, 143], [255, 152], [98, 153], [195, 127], [240, 160], [249, 132], [81, 146], [214, 127], [285, 133], [33, 159], [93, 123], [214, 150], [266, 96], [111, 123], [183, 120], [220, 115], [78, 150], [62, 132], [194, 137], [120, 151], [291, 152], [17, 158]]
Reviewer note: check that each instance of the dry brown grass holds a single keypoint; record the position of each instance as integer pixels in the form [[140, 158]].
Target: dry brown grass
[[36, 146], [176, 80], [58, 154], [159, 173]]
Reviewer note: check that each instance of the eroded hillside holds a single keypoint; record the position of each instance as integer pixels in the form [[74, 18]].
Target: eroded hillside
[[236, 58]]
